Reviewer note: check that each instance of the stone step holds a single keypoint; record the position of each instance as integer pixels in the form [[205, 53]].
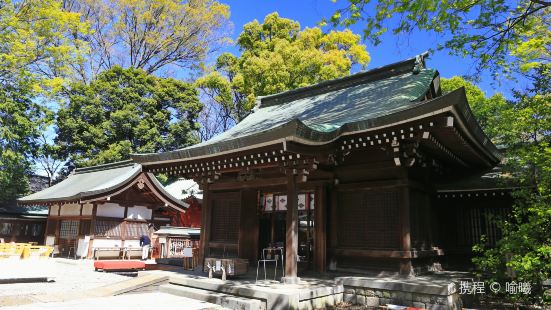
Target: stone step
[[224, 300]]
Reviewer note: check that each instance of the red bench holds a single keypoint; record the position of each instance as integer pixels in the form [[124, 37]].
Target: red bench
[[120, 265]]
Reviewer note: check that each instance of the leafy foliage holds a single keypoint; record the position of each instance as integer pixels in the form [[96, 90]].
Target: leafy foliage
[[492, 32], [276, 56], [523, 128], [125, 111], [147, 34], [48, 158], [20, 123], [35, 59], [524, 253], [35, 51], [486, 109]]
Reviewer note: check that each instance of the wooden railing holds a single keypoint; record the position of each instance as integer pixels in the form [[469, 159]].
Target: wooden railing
[[24, 250]]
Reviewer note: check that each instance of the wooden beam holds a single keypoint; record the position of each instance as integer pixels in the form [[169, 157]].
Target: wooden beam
[[371, 185], [291, 234], [130, 203], [396, 254], [257, 183]]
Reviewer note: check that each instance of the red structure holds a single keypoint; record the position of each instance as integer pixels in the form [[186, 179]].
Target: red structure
[[192, 216]]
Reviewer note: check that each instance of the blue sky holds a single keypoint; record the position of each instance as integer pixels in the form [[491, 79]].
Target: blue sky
[[309, 12]]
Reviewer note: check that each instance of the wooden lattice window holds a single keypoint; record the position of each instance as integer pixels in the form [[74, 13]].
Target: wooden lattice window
[[368, 219], [108, 228], [226, 212], [474, 222], [136, 230], [68, 229]]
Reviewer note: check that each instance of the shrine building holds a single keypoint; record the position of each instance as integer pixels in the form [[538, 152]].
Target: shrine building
[[106, 207]]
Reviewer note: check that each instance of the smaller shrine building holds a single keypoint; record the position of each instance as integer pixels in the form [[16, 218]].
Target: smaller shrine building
[[105, 206]]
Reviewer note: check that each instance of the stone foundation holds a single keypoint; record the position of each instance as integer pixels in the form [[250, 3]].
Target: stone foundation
[[420, 295]]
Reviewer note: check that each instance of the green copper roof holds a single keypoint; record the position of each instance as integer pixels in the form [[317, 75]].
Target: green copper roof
[[319, 113], [328, 112]]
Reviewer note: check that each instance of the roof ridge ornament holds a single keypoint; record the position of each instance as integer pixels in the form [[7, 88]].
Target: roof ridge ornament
[[420, 62], [257, 103]]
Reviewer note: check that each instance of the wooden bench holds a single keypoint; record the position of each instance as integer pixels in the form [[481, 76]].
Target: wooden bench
[[129, 252], [107, 252]]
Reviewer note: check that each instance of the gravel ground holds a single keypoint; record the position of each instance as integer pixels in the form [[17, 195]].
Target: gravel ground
[[70, 275]]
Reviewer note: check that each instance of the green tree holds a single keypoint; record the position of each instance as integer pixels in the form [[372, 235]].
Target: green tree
[[21, 121], [276, 56], [35, 60], [35, 51], [498, 35], [125, 111], [48, 157], [524, 252], [148, 34]]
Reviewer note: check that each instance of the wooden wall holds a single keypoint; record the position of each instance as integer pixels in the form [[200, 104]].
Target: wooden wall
[[461, 221], [248, 226]]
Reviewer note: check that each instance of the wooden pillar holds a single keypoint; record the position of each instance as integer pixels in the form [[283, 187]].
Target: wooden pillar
[[205, 225], [291, 233], [48, 223], [92, 230], [272, 225], [333, 214], [406, 267], [429, 221], [320, 231], [58, 225]]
